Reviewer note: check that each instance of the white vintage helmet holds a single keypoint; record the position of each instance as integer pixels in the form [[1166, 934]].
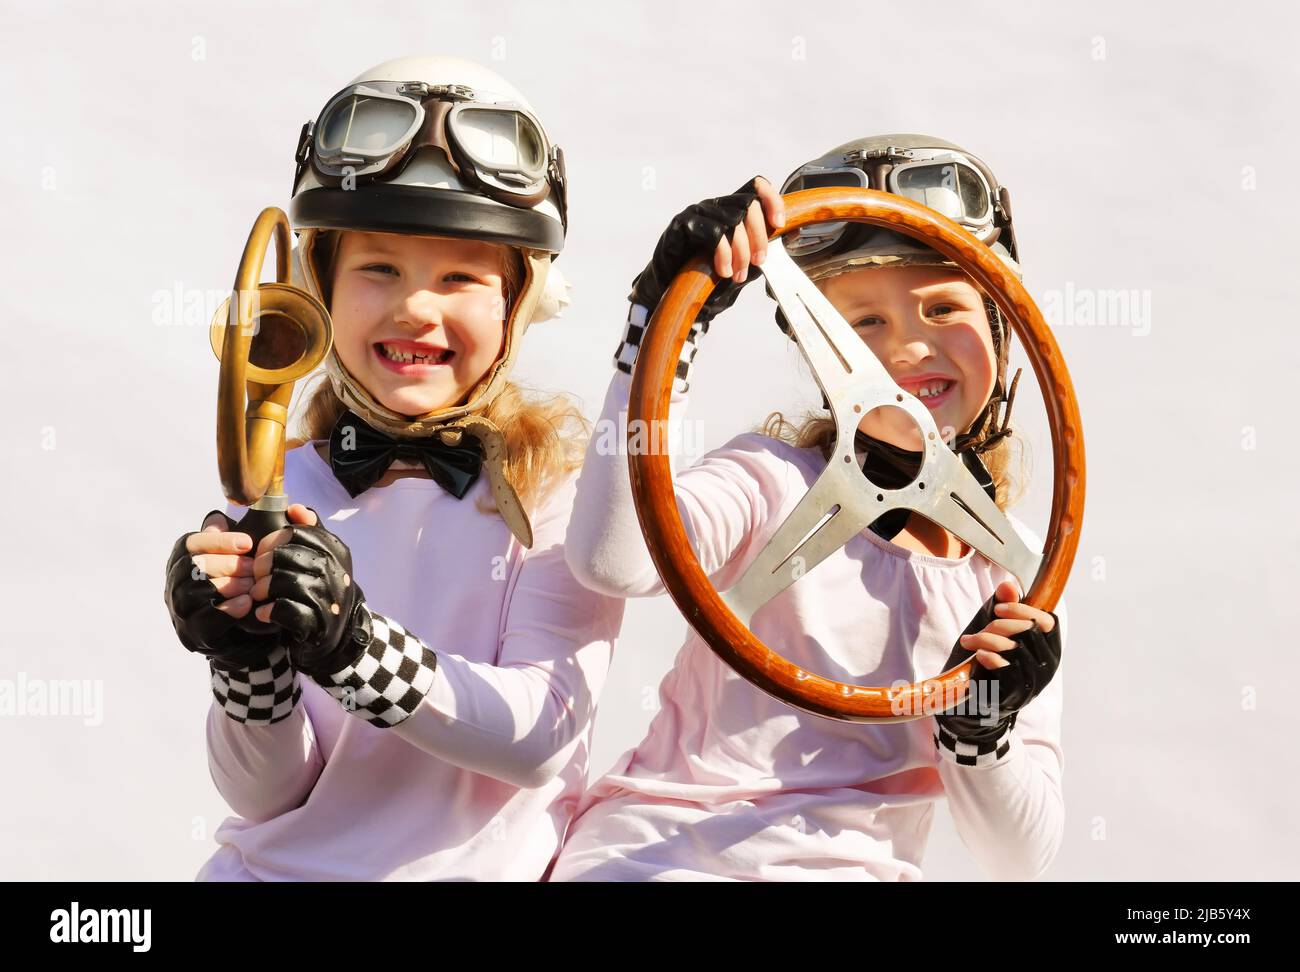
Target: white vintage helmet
[[431, 146]]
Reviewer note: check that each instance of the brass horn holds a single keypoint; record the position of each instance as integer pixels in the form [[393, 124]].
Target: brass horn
[[266, 336]]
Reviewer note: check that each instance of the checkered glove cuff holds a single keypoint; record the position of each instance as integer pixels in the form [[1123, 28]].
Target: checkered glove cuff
[[625, 355], [387, 683], [257, 696], [984, 753]]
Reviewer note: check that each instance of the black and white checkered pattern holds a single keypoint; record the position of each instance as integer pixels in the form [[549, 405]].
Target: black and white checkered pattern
[[257, 696], [387, 683], [630, 345], [971, 753]]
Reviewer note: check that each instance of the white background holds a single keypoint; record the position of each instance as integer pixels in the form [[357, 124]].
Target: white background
[[1149, 148]]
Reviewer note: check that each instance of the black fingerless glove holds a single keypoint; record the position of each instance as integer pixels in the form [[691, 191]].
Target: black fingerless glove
[[320, 609], [192, 601], [969, 737], [693, 233]]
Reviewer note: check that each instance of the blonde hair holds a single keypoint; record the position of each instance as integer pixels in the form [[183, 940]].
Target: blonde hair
[[816, 430], [546, 435]]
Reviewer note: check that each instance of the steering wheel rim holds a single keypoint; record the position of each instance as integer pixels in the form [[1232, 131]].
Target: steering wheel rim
[[708, 611]]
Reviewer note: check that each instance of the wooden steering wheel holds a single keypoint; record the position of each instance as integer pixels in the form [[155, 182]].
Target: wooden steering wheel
[[843, 501]]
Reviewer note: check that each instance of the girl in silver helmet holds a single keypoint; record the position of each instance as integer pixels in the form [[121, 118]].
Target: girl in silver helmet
[[730, 783]]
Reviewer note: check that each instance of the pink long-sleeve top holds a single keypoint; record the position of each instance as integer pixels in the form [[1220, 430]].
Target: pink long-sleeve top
[[729, 783], [481, 781]]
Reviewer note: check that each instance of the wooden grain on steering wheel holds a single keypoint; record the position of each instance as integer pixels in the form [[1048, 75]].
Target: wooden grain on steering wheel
[[652, 482]]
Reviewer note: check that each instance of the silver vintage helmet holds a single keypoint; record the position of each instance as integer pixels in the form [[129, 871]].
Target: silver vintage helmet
[[928, 170], [937, 174]]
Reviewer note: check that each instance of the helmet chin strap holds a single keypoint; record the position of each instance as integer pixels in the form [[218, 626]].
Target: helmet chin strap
[[455, 423], [989, 428]]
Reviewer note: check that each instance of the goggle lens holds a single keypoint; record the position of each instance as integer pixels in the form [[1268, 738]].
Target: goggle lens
[[365, 125], [822, 180], [810, 239], [501, 140], [949, 188]]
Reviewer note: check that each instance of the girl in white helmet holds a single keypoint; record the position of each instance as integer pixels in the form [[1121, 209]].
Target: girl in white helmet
[[421, 705], [730, 783]]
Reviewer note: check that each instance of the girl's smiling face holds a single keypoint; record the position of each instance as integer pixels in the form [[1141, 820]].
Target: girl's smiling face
[[928, 327], [418, 320]]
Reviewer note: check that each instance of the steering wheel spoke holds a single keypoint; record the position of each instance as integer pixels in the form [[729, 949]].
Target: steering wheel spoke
[[841, 363], [955, 500], [830, 514]]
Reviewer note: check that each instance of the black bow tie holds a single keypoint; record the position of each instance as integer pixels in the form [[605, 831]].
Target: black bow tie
[[889, 466], [360, 455]]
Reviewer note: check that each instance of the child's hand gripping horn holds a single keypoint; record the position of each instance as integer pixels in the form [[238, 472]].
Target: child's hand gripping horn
[[854, 382]]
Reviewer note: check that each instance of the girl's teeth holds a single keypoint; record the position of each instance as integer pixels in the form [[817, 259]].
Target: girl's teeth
[[403, 357], [933, 389]]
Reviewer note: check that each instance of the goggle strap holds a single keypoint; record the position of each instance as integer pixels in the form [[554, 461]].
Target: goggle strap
[[302, 156], [1004, 203], [559, 182]]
